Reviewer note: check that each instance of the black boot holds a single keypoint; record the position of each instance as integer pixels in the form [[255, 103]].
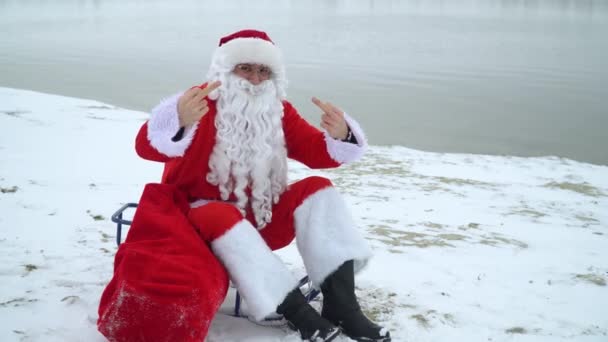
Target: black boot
[[305, 319], [340, 307]]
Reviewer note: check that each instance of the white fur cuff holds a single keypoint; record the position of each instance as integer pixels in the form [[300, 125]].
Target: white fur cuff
[[164, 124], [259, 275], [345, 152], [326, 235]]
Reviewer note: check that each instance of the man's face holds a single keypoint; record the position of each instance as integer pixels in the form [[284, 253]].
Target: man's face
[[254, 73]]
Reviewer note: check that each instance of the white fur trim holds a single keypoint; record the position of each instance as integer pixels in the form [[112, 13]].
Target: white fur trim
[[259, 275], [164, 124], [250, 50], [345, 152], [326, 235], [202, 202]]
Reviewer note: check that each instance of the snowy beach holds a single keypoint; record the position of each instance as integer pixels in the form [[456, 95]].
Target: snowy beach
[[467, 247]]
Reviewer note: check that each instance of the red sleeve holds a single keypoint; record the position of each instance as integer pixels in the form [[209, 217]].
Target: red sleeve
[[305, 143], [144, 147], [145, 150]]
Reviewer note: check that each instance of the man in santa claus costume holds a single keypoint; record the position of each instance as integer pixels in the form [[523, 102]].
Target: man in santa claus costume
[[225, 204]]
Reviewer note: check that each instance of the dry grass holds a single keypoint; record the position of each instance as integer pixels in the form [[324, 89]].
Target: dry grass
[[592, 278], [582, 188], [516, 330]]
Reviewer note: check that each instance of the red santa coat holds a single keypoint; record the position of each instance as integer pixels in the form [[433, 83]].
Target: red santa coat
[[167, 284], [305, 143]]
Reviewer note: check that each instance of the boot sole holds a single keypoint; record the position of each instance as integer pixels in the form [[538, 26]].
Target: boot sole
[[367, 339], [335, 333], [328, 338]]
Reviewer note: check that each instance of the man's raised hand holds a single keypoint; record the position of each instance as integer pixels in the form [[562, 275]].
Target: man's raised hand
[[192, 105], [332, 119]]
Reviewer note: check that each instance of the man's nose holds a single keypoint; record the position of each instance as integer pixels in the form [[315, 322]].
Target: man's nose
[[255, 78]]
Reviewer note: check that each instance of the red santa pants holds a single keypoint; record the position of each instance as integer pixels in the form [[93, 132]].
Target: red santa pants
[[214, 219], [312, 212]]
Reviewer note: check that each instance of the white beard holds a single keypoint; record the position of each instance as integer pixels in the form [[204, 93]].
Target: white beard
[[250, 145]]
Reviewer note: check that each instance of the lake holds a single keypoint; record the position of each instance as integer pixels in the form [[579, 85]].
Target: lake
[[510, 77]]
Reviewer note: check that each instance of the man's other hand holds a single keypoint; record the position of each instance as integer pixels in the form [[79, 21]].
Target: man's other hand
[[332, 119], [192, 106]]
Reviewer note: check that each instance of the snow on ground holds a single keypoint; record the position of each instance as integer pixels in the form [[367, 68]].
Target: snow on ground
[[467, 247]]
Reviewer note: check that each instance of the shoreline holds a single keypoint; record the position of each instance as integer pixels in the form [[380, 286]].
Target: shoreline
[[113, 106]]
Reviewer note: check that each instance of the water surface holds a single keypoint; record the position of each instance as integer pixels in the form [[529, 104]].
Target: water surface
[[509, 77]]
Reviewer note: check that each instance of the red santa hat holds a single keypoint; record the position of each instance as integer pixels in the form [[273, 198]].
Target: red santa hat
[[249, 46]]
